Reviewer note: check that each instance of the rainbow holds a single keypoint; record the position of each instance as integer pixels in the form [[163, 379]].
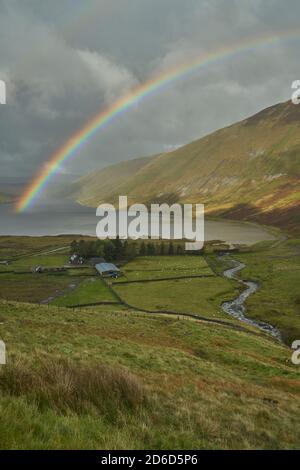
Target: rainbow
[[73, 145]]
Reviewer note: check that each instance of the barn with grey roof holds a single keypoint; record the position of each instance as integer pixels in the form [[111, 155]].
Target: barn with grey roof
[[107, 269]]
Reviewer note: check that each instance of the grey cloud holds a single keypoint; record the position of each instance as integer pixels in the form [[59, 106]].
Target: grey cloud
[[65, 60]]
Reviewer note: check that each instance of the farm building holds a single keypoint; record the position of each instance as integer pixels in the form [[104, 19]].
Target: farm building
[[107, 269]]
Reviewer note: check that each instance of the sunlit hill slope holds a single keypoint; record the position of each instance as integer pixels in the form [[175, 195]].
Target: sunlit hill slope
[[249, 170]]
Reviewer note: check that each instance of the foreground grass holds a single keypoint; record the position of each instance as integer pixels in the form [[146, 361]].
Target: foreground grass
[[81, 379]]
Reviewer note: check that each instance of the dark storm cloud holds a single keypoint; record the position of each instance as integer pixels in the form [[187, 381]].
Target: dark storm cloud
[[65, 60]]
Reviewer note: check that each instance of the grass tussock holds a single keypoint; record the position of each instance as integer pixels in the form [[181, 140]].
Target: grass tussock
[[65, 386]]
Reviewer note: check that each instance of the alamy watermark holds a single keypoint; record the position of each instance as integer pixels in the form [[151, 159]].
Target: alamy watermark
[[177, 222], [2, 92], [296, 354], [296, 94], [2, 353]]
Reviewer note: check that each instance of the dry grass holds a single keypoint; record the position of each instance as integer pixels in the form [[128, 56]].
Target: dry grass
[[65, 386]]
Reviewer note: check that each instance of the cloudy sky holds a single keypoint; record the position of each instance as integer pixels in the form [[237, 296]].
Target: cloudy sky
[[65, 60]]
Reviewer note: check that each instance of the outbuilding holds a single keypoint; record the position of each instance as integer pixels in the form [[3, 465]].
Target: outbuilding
[[107, 270]]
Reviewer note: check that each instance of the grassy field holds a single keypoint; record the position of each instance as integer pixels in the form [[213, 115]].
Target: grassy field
[[139, 381], [81, 271], [274, 265], [278, 299], [109, 377], [157, 267], [34, 287], [19, 283], [12, 247], [199, 296], [90, 290], [48, 261], [277, 269], [202, 296]]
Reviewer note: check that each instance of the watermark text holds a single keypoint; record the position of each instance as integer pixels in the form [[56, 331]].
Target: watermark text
[[2, 92], [296, 353], [2, 353], [296, 94], [178, 222]]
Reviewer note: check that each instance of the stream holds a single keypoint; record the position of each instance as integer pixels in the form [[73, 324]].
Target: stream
[[236, 307]]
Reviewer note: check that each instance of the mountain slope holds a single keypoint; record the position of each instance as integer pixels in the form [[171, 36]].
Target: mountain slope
[[249, 170], [99, 185]]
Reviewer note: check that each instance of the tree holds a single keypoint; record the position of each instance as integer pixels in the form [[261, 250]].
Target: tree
[[118, 247], [171, 249], [124, 249], [109, 251], [142, 251], [99, 248], [150, 249], [179, 250], [130, 250], [81, 248], [74, 247]]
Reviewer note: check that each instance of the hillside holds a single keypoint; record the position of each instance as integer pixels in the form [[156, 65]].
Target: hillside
[[249, 170], [99, 185], [114, 379], [105, 365]]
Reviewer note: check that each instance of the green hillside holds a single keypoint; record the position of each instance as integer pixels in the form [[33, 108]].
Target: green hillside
[[112, 177], [149, 360], [249, 170], [115, 379]]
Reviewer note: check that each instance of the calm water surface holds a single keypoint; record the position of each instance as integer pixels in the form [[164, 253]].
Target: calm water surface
[[71, 218]]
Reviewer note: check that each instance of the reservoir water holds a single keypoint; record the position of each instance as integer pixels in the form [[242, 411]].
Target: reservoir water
[[71, 218]]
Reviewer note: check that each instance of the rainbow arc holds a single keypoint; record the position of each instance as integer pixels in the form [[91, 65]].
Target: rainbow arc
[[73, 145]]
